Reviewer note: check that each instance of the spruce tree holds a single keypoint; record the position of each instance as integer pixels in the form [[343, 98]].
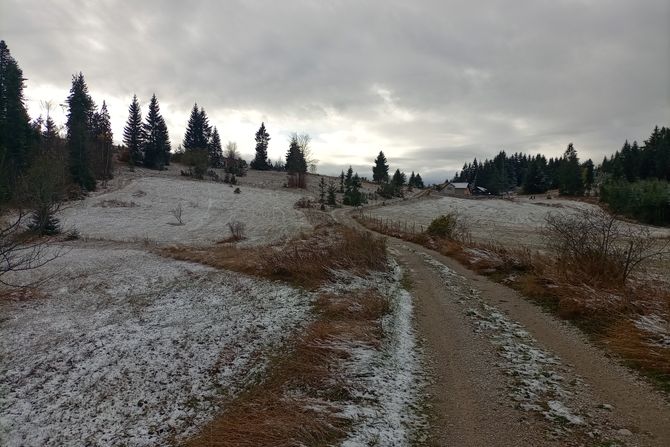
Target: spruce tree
[[15, 129], [295, 159], [79, 118], [261, 161], [322, 193], [399, 178], [418, 181], [155, 138], [132, 133], [332, 197], [380, 171], [198, 130], [102, 142], [342, 182], [570, 173], [412, 180], [214, 150]]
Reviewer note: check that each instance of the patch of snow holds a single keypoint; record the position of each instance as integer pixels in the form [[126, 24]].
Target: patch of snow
[[142, 209], [133, 349], [387, 382]]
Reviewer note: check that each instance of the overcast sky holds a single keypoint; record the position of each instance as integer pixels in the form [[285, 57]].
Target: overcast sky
[[431, 83]]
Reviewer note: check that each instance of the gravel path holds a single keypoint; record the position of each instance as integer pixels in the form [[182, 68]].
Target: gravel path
[[506, 373]]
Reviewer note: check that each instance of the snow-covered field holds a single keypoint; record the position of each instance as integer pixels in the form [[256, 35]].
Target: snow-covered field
[[142, 210], [128, 348], [508, 222]]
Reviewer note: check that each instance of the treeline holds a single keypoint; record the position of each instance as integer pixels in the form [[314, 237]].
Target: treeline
[[38, 167], [636, 179], [532, 174], [393, 186]]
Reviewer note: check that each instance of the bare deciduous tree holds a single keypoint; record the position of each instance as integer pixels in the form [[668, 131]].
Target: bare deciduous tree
[[231, 151], [237, 229], [304, 141]]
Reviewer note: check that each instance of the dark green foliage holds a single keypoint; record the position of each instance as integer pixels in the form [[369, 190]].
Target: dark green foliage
[[261, 161], [133, 134], [498, 175], [196, 160], [15, 130], [198, 131], [295, 159], [570, 173], [342, 181], [588, 174], [156, 141], [380, 171], [536, 181], [214, 150], [444, 226], [651, 161], [418, 181], [103, 143], [645, 200], [352, 193], [399, 179], [79, 133], [45, 187], [332, 197]]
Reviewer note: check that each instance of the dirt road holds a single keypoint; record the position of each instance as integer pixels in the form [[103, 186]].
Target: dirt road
[[508, 374]]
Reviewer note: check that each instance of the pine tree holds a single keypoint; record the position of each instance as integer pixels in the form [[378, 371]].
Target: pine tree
[[399, 178], [214, 150], [342, 181], [155, 139], [79, 118], [380, 171], [15, 129], [198, 130], [295, 159], [132, 133], [588, 174], [261, 161], [103, 142]]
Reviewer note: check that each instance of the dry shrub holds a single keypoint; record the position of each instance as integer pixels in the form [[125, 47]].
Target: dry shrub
[[309, 263], [237, 230], [449, 226], [597, 247], [227, 257]]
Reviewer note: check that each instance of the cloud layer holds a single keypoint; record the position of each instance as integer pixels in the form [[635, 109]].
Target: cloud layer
[[432, 83]]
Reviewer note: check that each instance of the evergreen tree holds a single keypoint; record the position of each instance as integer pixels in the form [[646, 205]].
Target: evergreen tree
[[132, 133], [79, 118], [570, 173], [412, 180], [261, 161], [322, 193], [198, 131], [399, 178], [103, 143], [214, 149], [418, 181], [332, 197], [155, 138], [295, 159], [342, 181], [15, 129], [380, 171], [352, 194], [588, 174]]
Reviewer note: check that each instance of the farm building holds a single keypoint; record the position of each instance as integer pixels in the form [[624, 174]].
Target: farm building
[[461, 189]]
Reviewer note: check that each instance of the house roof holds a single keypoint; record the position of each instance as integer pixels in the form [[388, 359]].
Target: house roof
[[460, 185]]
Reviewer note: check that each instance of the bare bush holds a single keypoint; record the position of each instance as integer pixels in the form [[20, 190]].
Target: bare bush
[[19, 252], [599, 246], [237, 230], [177, 212]]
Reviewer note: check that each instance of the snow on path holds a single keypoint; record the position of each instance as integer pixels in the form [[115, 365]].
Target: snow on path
[[388, 381], [133, 349], [539, 385], [142, 210]]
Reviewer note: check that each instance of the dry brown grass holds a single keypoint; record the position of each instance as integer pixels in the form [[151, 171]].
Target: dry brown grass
[[298, 403], [306, 261]]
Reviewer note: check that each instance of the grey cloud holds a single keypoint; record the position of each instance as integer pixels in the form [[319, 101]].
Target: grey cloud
[[475, 77]]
